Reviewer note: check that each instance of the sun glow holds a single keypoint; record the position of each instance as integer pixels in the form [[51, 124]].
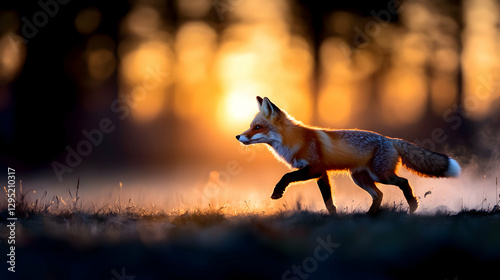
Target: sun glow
[[239, 106]]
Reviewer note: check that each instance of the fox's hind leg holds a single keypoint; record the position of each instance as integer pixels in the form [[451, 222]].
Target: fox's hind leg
[[383, 169], [363, 179], [326, 192], [402, 183]]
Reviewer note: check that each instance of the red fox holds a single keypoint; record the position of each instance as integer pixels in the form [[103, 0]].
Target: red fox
[[368, 156]]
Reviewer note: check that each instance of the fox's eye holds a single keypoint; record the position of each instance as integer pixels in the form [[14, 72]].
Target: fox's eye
[[257, 127]]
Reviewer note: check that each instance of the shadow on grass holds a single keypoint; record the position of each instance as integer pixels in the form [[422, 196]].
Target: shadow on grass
[[56, 240]]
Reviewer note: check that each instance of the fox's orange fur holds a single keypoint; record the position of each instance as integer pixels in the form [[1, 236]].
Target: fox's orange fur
[[368, 156]]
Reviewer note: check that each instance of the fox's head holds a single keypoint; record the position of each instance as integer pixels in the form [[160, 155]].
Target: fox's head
[[266, 126]]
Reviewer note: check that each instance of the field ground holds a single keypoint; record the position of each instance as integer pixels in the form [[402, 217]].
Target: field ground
[[292, 244]]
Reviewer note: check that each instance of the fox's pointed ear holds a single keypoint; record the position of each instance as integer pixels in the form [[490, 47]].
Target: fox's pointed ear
[[259, 100], [269, 109], [276, 110]]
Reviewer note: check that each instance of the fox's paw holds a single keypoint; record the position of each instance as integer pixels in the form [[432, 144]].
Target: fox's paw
[[413, 204], [277, 195]]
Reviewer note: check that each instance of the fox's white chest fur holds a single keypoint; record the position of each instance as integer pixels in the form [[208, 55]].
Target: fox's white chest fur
[[287, 154]]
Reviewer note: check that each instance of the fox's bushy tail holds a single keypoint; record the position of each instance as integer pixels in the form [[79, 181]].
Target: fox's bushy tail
[[424, 162]]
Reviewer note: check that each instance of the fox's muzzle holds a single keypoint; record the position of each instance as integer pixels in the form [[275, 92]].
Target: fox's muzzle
[[243, 139]]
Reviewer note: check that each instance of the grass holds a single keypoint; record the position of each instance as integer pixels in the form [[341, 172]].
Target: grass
[[60, 239]]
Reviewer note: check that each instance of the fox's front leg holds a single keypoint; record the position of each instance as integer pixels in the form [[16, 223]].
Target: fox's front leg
[[303, 174]]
